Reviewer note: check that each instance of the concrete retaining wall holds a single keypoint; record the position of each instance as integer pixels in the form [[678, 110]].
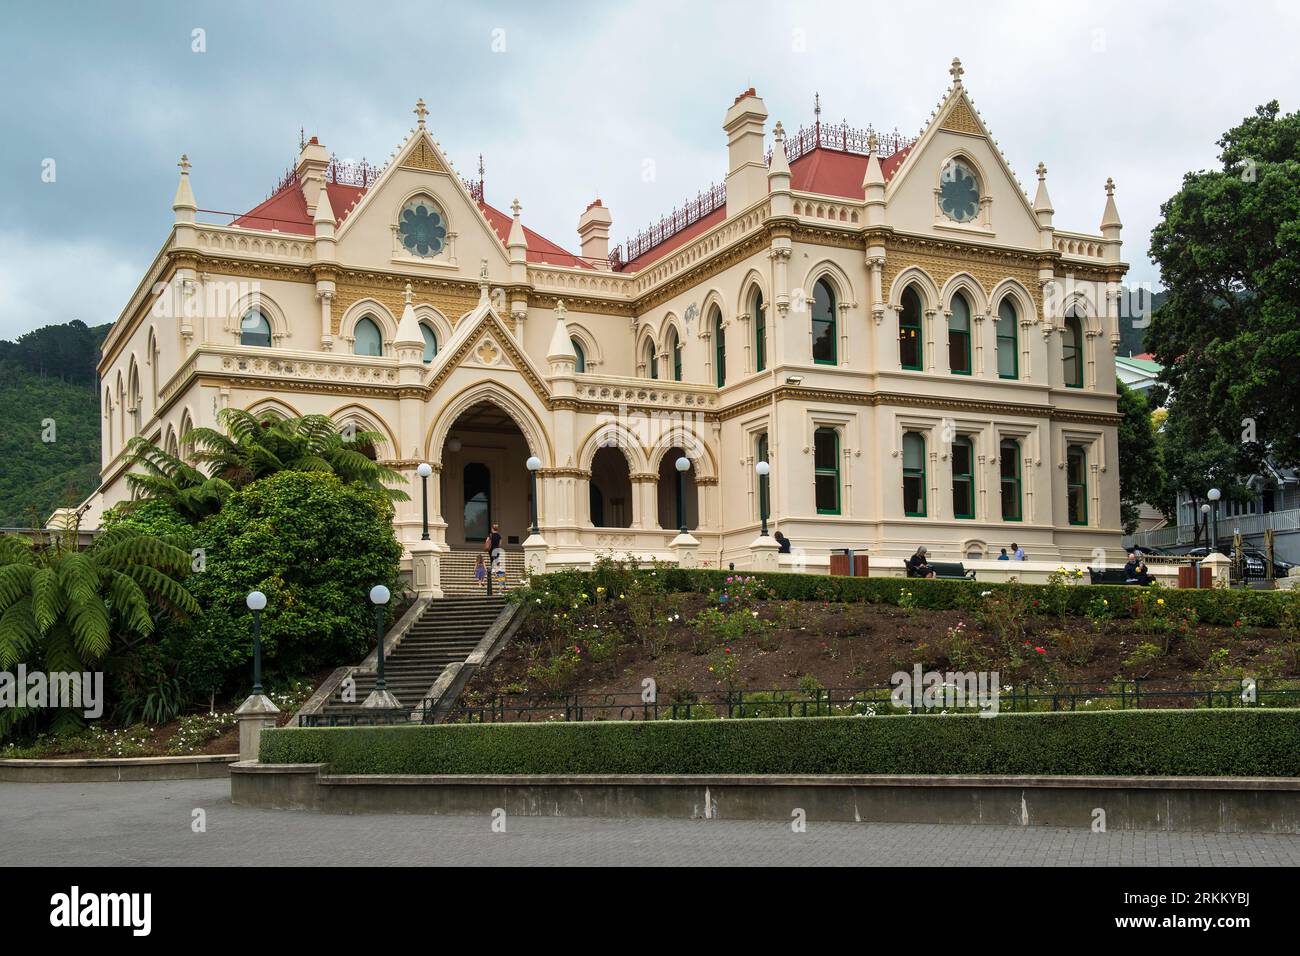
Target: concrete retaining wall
[[115, 769], [1208, 804]]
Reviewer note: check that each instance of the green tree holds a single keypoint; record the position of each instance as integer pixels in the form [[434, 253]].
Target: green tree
[[1228, 335], [186, 490], [68, 609], [315, 546], [260, 446], [1196, 460], [1141, 465]]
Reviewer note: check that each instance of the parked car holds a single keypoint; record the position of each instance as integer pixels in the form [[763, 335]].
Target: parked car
[[1280, 567], [1253, 564]]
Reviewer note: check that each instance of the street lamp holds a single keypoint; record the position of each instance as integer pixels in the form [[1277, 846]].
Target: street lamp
[[424, 471], [683, 466], [1214, 494], [379, 596], [763, 469], [256, 601], [533, 463]]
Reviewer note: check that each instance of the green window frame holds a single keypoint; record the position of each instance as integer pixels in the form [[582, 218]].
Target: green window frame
[[914, 477], [760, 333], [826, 470], [959, 336], [719, 349], [1009, 479], [430, 343], [825, 349], [366, 337], [1072, 352], [911, 344], [652, 360], [1076, 485], [764, 481], [1008, 340], [581, 364], [963, 478], [254, 329], [675, 350]]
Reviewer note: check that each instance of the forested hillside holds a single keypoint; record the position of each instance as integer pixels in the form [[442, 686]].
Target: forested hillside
[[48, 376]]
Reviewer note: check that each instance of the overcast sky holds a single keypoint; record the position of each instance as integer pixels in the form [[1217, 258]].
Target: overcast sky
[[568, 101]]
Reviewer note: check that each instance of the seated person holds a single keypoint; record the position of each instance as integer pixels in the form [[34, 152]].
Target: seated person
[[917, 565], [783, 542], [1004, 556], [1135, 572]]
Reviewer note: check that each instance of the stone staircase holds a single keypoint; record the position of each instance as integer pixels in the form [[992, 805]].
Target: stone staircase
[[456, 569], [445, 633]]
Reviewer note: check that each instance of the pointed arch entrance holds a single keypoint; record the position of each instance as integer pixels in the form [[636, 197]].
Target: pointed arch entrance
[[484, 477]]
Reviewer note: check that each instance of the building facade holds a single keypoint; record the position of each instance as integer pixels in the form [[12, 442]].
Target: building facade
[[892, 324]]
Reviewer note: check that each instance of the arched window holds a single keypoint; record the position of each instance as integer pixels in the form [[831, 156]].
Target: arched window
[[826, 470], [719, 349], [1072, 351], [651, 360], [367, 340], [914, 475], [422, 227], [963, 478], [959, 336], [430, 343], [1009, 471], [581, 364], [764, 481], [1008, 340], [675, 354], [760, 333], [1076, 484], [910, 348], [823, 324], [254, 329]]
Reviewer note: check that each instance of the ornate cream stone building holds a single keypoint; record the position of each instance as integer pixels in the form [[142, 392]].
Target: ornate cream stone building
[[909, 341]]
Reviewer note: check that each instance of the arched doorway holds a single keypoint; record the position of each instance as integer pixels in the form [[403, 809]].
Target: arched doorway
[[485, 478], [611, 489], [669, 514]]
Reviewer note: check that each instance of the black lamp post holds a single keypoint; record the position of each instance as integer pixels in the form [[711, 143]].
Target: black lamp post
[[1214, 495], [534, 463], [424, 471], [379, 596], [763, 469], [683, 466], [256, 601]]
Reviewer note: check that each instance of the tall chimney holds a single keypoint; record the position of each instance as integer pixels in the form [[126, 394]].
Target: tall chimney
[[746, 170], [593, 233]]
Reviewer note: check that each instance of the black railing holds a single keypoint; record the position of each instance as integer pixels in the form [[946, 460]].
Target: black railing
[[787, 702]]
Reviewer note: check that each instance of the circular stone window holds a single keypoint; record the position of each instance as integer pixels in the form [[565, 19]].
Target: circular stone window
[[421, 228], [959, 191]]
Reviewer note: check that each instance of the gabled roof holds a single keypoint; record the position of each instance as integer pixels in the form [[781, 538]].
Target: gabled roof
[[540, 249], [286, 211], [835, 173]]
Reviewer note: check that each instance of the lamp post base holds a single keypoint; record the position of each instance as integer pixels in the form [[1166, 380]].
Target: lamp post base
[[382, 700], [255, 714]]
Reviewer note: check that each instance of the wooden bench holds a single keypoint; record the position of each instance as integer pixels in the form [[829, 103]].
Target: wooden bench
[[1110, 576], [950, 571]]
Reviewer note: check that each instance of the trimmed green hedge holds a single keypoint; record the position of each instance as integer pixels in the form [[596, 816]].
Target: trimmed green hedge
[[1245, 742], [1212, 605]]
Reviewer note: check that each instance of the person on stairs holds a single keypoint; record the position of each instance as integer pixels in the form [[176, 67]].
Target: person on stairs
[[480, 572], [492, 545]]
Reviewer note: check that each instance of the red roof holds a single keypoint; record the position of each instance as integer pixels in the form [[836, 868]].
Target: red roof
[[286, 211], [829, 172]]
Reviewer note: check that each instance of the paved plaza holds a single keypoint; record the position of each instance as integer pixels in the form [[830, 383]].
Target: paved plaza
[[124, 824]]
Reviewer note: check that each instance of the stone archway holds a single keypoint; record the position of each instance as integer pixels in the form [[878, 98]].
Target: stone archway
[[484, 479]]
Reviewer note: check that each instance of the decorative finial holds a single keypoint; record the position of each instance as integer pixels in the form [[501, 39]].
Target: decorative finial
[[560, 310], [956, 72], [873, 144], [409, 296], [778, 131], [420, 111], [1042, 171], [515, 207], [817, 106], [184, 164], [480, 167], [482, 271], [1110, 186]]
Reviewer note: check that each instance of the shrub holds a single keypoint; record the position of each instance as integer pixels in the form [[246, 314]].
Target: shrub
[[315, 546], [1213, 742]]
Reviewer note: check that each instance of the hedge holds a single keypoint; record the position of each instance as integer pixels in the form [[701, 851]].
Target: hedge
[[1221, 606], [1239, 742]]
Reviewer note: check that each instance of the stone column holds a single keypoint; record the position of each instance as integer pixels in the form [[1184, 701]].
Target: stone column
[[686, 549], [255, 714], [766, 553]]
